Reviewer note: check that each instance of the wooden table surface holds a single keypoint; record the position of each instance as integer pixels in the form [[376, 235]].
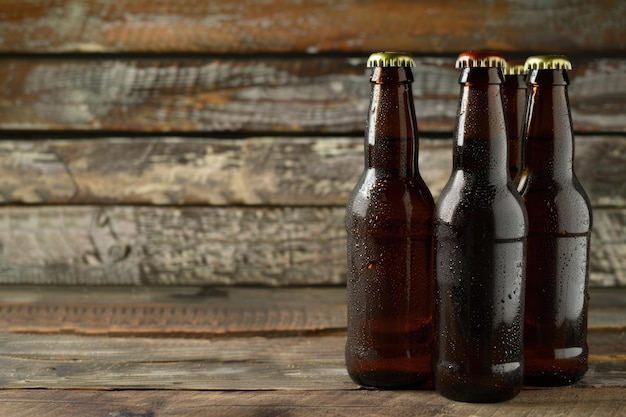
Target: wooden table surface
[[239, 351]]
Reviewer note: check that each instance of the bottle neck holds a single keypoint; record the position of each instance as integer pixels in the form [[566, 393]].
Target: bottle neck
[[480, 133], [514, 98], [549, 136], [391, 133]]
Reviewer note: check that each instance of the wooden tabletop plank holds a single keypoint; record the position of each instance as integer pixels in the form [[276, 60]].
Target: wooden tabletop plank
[[296, 171], [247, 363], [293, 94], [237, 374], [285, 26], [195, 311], [226, 311], [310, 362], [565, 402], [139, 245]]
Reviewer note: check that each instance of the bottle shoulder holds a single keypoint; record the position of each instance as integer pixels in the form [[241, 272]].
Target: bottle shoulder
[[478, 192], [547, 190], [472, 204], [376, 186], [390, 206], [556, 207]]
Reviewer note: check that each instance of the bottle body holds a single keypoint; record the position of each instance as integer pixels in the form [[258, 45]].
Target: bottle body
[[480, 241], [390, 290], [389, 228], [480, 310], [560, 221]]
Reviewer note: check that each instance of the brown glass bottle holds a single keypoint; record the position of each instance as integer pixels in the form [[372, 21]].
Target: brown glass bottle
[[389, 226], [480, 241], [559, 216], [514, 99]]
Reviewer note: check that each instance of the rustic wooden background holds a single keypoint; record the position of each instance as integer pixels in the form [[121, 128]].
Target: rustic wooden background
[[194, 143]]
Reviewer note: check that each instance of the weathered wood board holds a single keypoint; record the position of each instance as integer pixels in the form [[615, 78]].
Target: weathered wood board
[[250, 26], [311, 171], [226, 372], [212, 312], [565, 402], [245, 339], [242, 122], [210, 171], [249, 363], [314, 94], [148, 245], [173, 311], [187, 245]]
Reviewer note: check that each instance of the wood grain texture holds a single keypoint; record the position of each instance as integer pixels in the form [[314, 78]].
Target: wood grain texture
[[296, 171], [212, 312], [190, 245], [163, 170], [310, 26], [173, 311], [138, 245], [244, 363], [316, 94], [564, 402], [284, 374], [299, 94]]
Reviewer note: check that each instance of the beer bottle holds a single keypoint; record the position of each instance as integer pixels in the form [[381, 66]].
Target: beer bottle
[[389, 226], [559, 218], [514, 99], [480, 230]]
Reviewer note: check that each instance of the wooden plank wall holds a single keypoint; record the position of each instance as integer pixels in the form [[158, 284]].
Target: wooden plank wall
[[183, 142]]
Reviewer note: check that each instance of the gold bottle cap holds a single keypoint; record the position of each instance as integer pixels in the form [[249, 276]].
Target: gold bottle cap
[[473, 59], [515, 68], [554, 62], [390, 59]]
